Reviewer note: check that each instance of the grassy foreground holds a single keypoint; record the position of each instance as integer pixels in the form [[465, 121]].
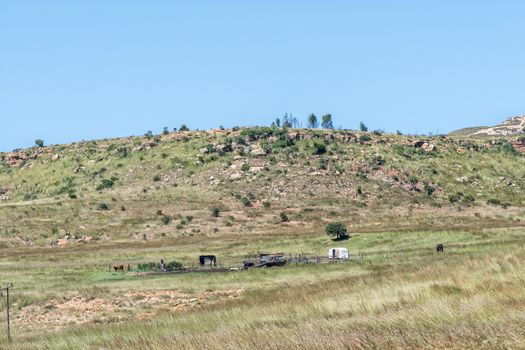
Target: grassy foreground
[[402, 294]]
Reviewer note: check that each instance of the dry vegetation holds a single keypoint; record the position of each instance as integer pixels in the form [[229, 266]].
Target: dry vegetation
[[68, 212]]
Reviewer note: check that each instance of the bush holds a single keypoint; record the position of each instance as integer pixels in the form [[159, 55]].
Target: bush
[[147, 266], [494, 201], [39, 143], [258, 132], [337, 230], [172, 265], [507, 149], [102, 206], [283, 142], [183, 127], [413, 179], [266, 204], [364, 138], [215, 212], [246, 201], [105, 183], [245, 167], [456, 197], [363, 127], [284, 217], [322, 164], [28, 196], [165, 219], [469, 198], [429, 190], [319, 148], [156, 178]]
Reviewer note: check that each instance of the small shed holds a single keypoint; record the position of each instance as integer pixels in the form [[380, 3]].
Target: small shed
[[210, 260], [338, 253]]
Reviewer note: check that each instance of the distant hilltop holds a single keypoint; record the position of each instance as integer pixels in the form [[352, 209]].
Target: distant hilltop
[[511, 126]]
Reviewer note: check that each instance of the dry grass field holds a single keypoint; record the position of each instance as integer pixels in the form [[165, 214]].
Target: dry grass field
[[69, 212], [402, 294]]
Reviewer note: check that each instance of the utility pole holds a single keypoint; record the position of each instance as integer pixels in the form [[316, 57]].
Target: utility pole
[[6, 288]]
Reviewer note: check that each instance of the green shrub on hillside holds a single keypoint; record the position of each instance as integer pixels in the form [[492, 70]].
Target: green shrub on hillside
[[364, 138], [319, 148], [165, 219], [456, 197], [494, 201], [246, 201], [102, 206], [429, 190], [105, 183]]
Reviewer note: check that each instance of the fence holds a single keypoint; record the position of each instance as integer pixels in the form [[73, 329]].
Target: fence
[[300, 259]]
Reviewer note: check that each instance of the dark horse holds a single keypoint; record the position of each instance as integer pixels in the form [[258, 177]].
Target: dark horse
[[118, 268], [439, 248]]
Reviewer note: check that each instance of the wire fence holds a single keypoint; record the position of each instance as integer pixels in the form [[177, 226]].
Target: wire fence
[[247, 263]]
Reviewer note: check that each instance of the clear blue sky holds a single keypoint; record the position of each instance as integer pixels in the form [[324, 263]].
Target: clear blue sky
[[73, 70]]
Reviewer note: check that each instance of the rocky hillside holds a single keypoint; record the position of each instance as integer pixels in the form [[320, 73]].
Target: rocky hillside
[[511, 126], [243, 180]]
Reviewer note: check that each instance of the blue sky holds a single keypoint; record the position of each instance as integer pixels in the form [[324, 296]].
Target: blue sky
[[73, 70]]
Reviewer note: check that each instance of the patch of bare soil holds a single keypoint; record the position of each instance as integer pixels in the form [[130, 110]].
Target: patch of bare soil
[[57, 314]]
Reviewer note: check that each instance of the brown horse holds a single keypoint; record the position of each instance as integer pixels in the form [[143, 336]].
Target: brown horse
[[118, 268]]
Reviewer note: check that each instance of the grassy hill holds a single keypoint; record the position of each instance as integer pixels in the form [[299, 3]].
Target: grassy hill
[[467, 131], [69, 212], [143, 187]]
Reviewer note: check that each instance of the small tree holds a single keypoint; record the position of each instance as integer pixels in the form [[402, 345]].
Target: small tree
[[327, 122], [165, 131], [336, 229], [278, 122], [287, 120], [215, 212], [183, 127], [39, 142], [363, 127], [284, 217], [312, 121]]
